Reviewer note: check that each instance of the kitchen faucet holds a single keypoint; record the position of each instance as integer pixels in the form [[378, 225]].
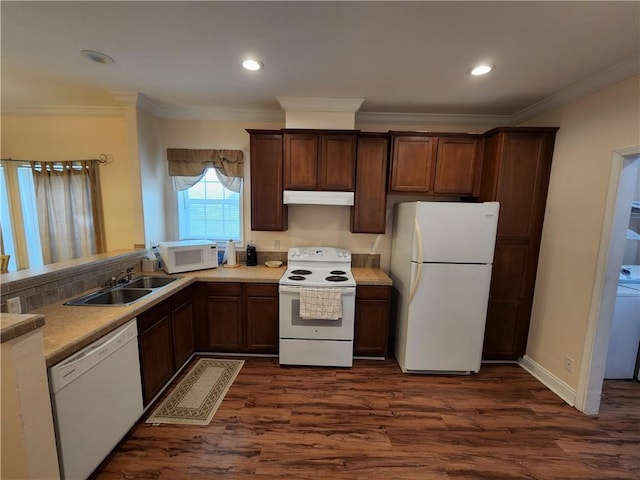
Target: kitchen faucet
[[123, 277]]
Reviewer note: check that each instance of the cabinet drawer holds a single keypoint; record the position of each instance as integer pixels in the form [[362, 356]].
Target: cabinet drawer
[[373, 292], [224, 289], [261, 289], [152, 316], [182, 297]]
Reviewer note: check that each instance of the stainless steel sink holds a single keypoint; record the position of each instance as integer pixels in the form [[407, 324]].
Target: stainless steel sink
[[123, 294], [150, 282], [115, 296]]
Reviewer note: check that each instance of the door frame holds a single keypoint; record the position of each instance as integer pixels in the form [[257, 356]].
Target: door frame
[[589, 390]]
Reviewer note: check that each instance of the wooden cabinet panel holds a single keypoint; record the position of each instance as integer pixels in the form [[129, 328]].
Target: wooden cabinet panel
[[300, 161], [371, 330], [501, 330], [261, 324], [224, 316], [412, 165], [182, 322], [368, 214], [458, 166], [155, 342], [515, 172], [267, 210], [337, 162]]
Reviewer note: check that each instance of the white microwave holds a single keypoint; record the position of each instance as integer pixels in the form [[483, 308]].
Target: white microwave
[[188, 255]]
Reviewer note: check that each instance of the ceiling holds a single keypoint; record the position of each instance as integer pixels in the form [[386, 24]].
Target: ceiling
[[401, 57]]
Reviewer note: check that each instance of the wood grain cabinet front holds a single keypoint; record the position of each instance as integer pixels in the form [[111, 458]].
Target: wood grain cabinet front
[[371, 331], [435, 164], [319, 160], [155, 343], [237, 317], [516, 170]]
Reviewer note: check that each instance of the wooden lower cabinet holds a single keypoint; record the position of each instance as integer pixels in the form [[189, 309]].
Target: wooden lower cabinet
[[261, 317], [165, 341], [371, 331], [182, 323], [155, 343], [238, 317]]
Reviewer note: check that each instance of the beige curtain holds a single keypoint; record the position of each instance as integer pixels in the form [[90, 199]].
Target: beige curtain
[[186, 162], [69, 209]]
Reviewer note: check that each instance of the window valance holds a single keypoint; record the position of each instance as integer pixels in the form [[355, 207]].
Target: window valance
[[187, 162]]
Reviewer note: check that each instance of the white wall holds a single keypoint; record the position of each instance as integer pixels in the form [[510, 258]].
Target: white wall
[[591, 129]]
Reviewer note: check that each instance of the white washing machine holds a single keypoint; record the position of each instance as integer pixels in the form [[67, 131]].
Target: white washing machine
[[624, 338]]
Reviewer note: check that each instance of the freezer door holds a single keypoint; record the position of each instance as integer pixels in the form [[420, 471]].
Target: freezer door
[[455, 232], [446, 319]]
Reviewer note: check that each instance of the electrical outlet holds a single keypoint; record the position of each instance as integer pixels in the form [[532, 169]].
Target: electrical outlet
[[13, 305], [568, 364], [276, 244]]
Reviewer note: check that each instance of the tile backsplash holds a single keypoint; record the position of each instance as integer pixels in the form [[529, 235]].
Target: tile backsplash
[[62, 284]]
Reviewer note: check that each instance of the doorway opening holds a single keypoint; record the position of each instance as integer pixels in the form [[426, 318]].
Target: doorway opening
[[622, 186]]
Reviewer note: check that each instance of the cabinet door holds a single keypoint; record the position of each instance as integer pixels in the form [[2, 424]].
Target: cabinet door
[[182, 321], [337, 162], [261, 317], [368, 214], [224, 317], [267, 209], [300, 161], [412, 164], [458, 166], [157, 363], [371, 330]]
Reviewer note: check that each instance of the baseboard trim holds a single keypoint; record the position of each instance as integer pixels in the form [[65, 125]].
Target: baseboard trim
[[549, 380]]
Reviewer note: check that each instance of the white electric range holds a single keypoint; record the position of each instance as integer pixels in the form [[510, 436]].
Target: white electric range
[[317, 341]]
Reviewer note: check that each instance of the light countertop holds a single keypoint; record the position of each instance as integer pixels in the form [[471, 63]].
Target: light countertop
[[67, 329]]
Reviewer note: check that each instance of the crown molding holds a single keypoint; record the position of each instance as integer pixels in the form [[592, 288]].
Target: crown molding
[[382, 118], [63, 110], [320, 104], [604, 79], [214, 113]]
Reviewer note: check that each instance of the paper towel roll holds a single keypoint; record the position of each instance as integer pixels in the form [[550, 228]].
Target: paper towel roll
[[230, 253]]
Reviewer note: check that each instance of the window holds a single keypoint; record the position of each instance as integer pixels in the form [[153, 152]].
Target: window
[[20, 234], [209, 210]]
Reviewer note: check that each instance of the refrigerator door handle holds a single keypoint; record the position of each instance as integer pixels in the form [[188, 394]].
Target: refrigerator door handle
[[418, 239]]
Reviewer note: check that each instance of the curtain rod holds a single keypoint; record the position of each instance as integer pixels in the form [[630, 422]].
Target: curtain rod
[[102, 158]]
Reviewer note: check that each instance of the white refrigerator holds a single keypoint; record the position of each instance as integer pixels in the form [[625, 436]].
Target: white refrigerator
[[441, 260]]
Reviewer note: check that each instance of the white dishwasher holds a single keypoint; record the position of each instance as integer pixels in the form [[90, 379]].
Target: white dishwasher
[[96, 398]]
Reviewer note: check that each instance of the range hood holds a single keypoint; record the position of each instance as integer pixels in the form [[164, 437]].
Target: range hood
[[313, 197]]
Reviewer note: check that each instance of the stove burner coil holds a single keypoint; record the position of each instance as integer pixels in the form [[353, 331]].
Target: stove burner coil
[[302, 272], [337, 272], [336, 278], [297, 277]]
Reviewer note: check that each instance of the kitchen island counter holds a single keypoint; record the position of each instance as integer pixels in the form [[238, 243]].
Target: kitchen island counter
[[68, 329]]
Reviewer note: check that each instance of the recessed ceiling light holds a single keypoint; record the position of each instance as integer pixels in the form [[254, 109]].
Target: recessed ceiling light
[[97, 57], [253, 65], [480, 70]]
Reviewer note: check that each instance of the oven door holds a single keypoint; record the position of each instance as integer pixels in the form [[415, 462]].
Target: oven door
[[292, 326]]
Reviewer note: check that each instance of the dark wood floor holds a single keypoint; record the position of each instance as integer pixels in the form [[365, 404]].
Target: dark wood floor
[[373, 422]]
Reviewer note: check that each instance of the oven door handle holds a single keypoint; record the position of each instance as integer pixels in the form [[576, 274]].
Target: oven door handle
[[345, 291]]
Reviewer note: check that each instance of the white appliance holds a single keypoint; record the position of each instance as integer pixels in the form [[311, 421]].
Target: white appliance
[[96, 398], [188, 255], [316, 341], [441, 261], [624, 336]]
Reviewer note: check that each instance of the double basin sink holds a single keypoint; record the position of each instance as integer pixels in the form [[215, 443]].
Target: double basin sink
[[123, 294]]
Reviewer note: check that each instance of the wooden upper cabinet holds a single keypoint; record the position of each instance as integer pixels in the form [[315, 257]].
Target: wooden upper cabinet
[[368, 214], [441, 165], [267, 209], [319, 161], [412, 164], [458, 166]]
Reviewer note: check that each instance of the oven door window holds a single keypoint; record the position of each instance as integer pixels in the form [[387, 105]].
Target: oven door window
[[312, 322]]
